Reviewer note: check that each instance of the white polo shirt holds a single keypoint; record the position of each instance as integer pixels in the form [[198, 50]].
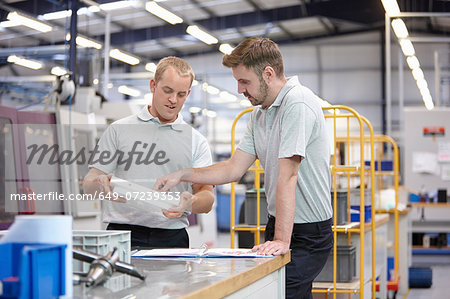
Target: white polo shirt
[[293, 125], [145, 150]]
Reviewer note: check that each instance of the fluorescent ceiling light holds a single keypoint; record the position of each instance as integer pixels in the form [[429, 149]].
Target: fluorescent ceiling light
[[211, 114], [88, 10], [413, 62], [418, 74], [128, 91], [32, 64], [125, 57], [425, 91], [110, 85], [151, 67], [116, 5], [212, 90], [226, 48], [428, 100], [29, 22], [194, 83], [58, 71], [245, 103], [57, 15], [422, 83], [195, 110], [7, 24], [85, 42], [163, 13], [400, 28], [227, 97], [407, 47], [391, 7], [95, 81], [205, 37]]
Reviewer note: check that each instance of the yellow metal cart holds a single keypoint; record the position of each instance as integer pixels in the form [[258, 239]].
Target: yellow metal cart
[[337, 171], [379, 142], [257, 169]]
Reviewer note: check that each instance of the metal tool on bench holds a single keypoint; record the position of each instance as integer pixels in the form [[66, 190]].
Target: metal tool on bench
[[102, 267]]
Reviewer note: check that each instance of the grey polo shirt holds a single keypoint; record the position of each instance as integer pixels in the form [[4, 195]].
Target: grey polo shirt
[[293, 125], [150, 150]]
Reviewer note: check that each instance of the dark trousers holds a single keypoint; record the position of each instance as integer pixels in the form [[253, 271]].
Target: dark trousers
[[311, 244], [147, 237]]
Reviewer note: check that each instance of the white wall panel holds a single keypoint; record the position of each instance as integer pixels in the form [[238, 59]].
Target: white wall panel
[[355, 86]]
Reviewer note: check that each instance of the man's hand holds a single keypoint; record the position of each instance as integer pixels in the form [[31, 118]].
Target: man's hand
[[185, 205], [165, 183], [276, 247], [100, 184]]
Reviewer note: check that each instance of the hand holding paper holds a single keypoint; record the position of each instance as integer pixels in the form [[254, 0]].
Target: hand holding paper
[[135, 193], [184, 206]]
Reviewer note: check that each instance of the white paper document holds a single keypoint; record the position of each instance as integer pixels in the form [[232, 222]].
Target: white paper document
[[133, 192], [444, 151], [445, 176], [425, 162]]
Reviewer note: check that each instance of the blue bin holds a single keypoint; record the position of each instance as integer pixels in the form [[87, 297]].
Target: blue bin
[[223, 210], [414, 197], [355, 212], [390, 267], [32, 270], [385, 165], [420, 277]]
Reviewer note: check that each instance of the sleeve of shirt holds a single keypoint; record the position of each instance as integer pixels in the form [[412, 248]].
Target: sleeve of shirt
[[202, 154], [106, 144], [247, 143], [297, 125]]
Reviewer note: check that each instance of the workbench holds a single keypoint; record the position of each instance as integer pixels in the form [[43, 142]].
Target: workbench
[[197, 278]]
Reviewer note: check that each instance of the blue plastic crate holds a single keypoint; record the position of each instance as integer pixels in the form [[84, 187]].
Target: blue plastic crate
[[420, 277], [390, 267], [32, 270], [385, 165], [355, 212], [414, 197]]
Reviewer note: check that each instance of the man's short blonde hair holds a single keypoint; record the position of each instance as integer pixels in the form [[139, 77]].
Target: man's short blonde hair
[[180, 65]]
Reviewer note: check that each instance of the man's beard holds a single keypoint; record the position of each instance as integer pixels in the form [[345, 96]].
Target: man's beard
[[262, 94]]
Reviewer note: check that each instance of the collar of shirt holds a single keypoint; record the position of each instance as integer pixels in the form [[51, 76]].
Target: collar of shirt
[[292, 81], [145, 115]]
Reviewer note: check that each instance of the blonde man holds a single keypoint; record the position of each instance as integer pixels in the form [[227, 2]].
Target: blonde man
[[142, 147]]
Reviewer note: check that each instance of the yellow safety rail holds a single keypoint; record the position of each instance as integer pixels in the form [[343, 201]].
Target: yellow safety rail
[[336, 170], [257, 172]]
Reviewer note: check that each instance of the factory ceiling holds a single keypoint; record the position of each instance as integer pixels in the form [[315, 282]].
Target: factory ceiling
[[137, 31]]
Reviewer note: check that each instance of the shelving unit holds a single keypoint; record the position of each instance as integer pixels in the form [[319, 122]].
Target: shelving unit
[[431, 221], [427, 217], [379, 142], [356, 232]]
